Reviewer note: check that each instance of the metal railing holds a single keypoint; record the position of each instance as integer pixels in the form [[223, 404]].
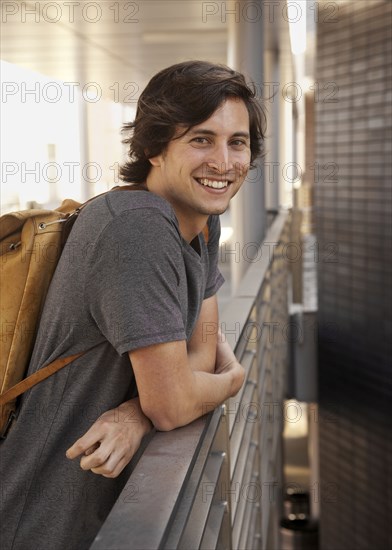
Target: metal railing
[[216, 482]]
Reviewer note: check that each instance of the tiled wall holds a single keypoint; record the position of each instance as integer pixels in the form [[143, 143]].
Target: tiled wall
[[353, 225]]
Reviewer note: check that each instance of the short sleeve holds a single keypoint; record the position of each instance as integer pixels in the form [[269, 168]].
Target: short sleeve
[[214, 279], [134, 272]]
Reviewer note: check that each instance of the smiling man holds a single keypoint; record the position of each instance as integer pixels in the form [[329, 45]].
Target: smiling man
[[135, 286], [201, 170]]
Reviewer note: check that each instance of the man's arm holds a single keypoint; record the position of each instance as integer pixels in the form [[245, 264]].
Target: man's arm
[[171, 393], [110, 443], [201, 347]]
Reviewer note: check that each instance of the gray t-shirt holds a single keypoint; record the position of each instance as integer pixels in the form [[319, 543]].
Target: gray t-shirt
[[126, 279]]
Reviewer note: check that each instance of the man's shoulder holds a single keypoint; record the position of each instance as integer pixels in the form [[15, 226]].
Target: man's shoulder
[[119, 201], [120, 206], [121, 214], [131, 200]]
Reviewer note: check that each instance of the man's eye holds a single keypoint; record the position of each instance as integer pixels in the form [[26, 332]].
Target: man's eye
[[201, 140], [238, 143]]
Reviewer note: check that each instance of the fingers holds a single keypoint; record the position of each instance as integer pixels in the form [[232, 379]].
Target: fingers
[[91, 449], [111, 473], [96, 459], [106, 457], [108, 446], [89, 440], [104, 460], [112, 467]]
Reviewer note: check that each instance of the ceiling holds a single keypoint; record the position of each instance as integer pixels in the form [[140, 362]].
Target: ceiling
[[110, 42]]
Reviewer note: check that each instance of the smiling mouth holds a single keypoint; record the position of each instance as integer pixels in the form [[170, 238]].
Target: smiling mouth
[[215, 184]]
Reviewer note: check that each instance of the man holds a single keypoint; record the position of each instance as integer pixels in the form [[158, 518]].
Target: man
[[134, 289]]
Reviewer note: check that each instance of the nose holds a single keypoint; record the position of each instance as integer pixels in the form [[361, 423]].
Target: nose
[[220, 160]]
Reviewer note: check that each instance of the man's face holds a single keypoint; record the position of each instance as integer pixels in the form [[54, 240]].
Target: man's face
[[200, 172]]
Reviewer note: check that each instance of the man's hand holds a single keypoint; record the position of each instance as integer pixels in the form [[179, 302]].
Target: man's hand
[[108, 446], [226, 361]]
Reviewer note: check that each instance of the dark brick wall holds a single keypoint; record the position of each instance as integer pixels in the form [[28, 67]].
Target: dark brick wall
[[353, 224]]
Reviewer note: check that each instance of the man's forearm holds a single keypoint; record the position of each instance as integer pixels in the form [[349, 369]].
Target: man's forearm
[[204, 393], [202, 360], [172, 394]]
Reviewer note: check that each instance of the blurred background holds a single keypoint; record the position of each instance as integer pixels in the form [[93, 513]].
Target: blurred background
[[71, 75]]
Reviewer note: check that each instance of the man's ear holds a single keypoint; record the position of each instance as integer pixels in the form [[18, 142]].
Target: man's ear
[[155, 161]]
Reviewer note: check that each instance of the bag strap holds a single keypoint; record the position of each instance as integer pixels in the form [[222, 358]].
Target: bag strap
[[37, 377]]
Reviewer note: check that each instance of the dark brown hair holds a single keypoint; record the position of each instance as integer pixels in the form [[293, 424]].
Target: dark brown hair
[[185, 94]]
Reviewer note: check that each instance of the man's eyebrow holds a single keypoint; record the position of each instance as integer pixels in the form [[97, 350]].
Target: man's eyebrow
[[242, 134], [206, 132]]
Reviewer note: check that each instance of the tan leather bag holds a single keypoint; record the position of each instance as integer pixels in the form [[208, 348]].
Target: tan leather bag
[[30, 247]]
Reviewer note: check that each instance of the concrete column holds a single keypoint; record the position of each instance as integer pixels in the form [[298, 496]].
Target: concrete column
[[85, 186], [248, 218], [81, 73], [271, 159]]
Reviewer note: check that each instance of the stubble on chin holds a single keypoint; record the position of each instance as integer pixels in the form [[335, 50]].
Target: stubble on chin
[[213, 211]]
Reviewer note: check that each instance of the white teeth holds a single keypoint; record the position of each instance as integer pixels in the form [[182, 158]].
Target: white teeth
[[213, 183]]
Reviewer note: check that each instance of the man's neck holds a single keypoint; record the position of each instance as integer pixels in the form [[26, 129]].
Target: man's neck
[[189, 228], [190, 224]]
